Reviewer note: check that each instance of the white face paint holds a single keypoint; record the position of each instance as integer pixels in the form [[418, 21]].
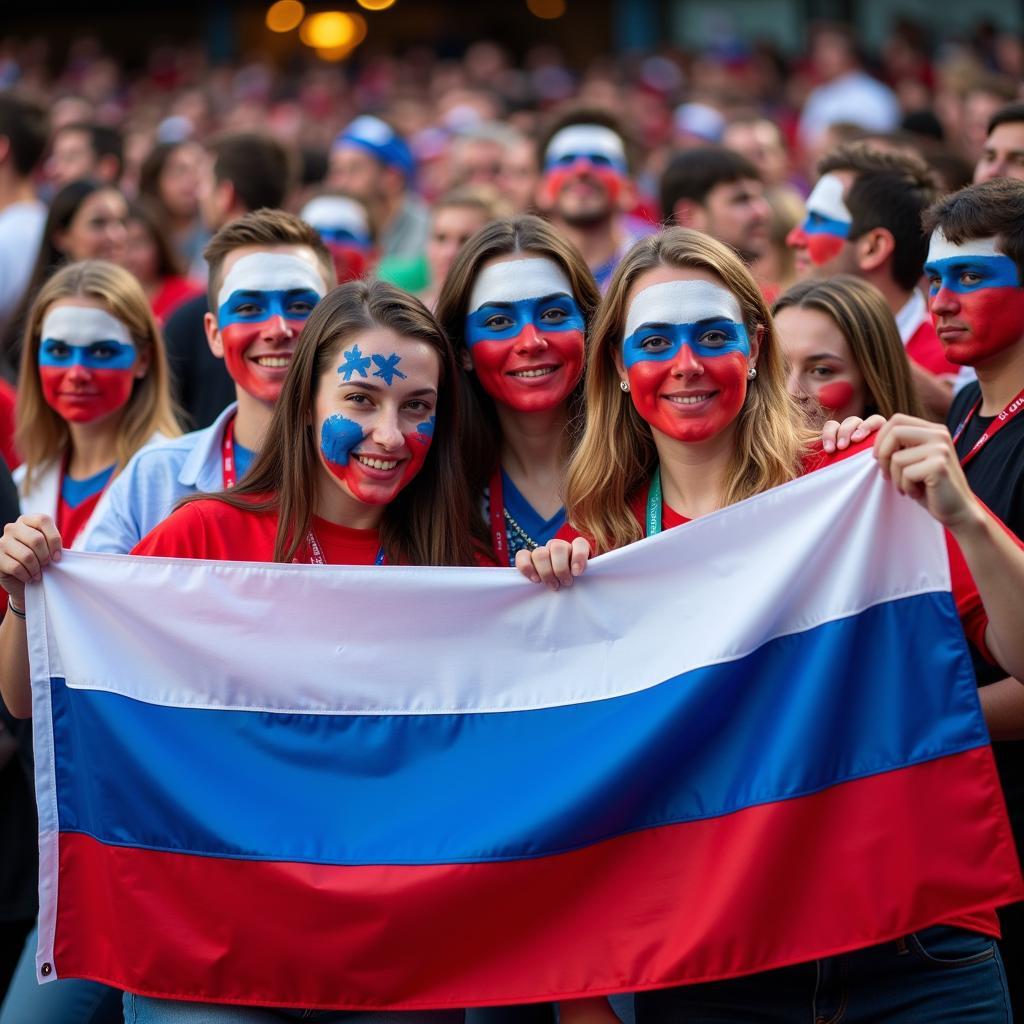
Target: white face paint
[[826, 199], [271, 272], [587, 139], [516, 280], [83, 325], [336, 213], [941, 248], [682, 302]]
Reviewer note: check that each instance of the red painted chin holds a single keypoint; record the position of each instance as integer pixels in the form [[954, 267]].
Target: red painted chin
[[994, 320], [381, 487], [724, 380], [92, 396], [835, 397], [262, 382], [496, 362]]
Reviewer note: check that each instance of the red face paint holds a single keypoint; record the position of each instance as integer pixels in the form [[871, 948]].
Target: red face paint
[[988, 321], [81, 394], [835, 396], [558, 177], [659, 387]]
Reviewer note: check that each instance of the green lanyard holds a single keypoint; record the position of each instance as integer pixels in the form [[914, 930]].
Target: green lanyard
[[654, 504]]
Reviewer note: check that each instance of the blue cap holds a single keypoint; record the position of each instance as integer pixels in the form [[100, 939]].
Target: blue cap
[[379, 140]]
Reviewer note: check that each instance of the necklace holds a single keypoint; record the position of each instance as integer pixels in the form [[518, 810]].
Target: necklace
[[527, 540]]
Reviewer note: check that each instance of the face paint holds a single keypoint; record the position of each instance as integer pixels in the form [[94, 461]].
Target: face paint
[[262, 306], [686, 355], [525, 334], [827, 225], [585, 149], [86, 363], [976, 299], [835, 396], [345, 230]]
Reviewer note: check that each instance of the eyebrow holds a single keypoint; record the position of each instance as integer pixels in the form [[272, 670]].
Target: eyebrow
[[657, 325], [824, 355]]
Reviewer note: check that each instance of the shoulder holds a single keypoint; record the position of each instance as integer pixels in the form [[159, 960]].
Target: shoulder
[[210, 528], [963, 400]]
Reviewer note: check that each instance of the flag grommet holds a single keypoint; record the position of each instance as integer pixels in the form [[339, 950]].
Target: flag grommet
[[46, 970]]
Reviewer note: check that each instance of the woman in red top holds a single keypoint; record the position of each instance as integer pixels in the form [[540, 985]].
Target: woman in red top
[[688, 412]]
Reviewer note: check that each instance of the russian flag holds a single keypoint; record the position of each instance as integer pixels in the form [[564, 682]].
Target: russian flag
[[747, 742]]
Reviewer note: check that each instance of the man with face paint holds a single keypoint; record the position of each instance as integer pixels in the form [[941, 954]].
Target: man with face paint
[[586, 189], [864, 218], [267, 272], [344, 226], [975, 269]]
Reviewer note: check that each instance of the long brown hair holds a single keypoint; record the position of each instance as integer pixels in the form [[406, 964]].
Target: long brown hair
[[40, 433], [864, 319], [530, 236], [427, 523], [616, 455]]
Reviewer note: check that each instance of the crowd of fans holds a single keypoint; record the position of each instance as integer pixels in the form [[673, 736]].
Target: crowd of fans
[[815, 168]]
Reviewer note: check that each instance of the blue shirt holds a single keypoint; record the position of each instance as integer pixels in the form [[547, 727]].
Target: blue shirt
[[538, 528]]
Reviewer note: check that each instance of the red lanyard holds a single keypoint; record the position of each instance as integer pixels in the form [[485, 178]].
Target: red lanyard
[[227, 454], [997, 424], [316, 554], [496, 505]]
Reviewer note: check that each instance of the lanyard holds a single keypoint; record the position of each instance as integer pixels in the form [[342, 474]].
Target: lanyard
[[316, 554], [997, 424], [496, 504], [654, 504], [227, 455]]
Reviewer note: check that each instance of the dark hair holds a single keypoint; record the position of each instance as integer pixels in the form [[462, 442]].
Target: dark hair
[[428, 523], [585, 115], [693, 173], [104, 140], [991, 208], [259, 168], [23, 123], [891, 191], [153, 167], [1010, 114], [150, 215]]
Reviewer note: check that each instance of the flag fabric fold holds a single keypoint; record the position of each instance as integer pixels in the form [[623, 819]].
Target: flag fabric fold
[[747, 742]]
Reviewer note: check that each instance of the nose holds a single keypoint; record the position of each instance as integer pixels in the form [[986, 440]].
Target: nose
[[386, 432], [797, 238], [686, 363], [77, 371], [944, 302], [278, 329], [763, 210], [530, 340]]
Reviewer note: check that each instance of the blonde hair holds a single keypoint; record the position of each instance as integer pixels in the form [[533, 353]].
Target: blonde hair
[[616, 455], [41, 435]]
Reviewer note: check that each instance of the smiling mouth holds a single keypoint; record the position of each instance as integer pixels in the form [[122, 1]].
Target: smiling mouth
[[273, 362], [690, 400], [540, 371], [374, 463]]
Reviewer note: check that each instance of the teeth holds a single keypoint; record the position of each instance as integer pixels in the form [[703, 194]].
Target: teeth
[[688, 399], [275, 362], [533, 373], [366, 460]]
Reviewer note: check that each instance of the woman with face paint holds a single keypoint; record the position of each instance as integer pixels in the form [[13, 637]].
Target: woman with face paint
[[843, 350], [687, 413], [517, 303]]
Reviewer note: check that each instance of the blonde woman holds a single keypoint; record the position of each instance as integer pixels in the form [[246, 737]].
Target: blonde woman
[[688, 412], [92, 390]]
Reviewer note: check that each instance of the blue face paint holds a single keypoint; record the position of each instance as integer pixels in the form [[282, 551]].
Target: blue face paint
[[819, 224], [252, 307], [387, 368], [425, 430], [595, 159], [355, 362], [338, 436], [971, 272], [661, 342], [95, 355], [503, 321]]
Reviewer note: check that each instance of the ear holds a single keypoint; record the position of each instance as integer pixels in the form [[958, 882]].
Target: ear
[[466, 359], [755, 344], [142, 362], [874, 249], [689, 214], [213, 338], [620, 366]]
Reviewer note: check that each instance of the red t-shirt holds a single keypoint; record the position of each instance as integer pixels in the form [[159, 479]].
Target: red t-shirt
[[173, 292], [213, 529], [7, 402]]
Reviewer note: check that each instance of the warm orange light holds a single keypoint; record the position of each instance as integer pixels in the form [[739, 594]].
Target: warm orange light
[[285, 15], [329, 30], [360, 26], [375, 5], [546, 8], [333, 53]]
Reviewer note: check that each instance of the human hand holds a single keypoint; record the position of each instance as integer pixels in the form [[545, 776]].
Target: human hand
[[836, 436], [27, 546], [554, 564]]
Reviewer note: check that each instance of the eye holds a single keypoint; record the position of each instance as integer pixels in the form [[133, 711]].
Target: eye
[[498, 322], [554, 315], [57, 349], [654, 343], [103, 350], [600, 160], [821, 372], [419, 406], [247, 309], [714, 338], [970, 277], [301, 308], [358, 398]]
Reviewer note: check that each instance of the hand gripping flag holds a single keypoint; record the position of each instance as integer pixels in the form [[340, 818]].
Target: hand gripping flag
[[747, 742]]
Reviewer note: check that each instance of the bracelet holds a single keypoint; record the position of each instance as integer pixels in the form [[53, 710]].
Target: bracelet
[[18, 613]]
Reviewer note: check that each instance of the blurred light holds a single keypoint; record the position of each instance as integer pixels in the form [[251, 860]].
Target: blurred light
[[375, 5], [329, 30], [360, 27], [546, 8], [285, 15], [333, 53]]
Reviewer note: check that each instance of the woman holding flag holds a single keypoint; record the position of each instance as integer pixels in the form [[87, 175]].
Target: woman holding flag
[[687, 413]]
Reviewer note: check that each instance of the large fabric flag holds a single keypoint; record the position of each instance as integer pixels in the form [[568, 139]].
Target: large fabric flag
[[747, 742]]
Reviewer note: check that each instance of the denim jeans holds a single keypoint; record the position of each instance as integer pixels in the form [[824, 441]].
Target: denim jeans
[[143, 1010], [936, 976]]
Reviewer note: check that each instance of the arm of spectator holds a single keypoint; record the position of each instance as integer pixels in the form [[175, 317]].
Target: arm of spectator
[[1003, 705]]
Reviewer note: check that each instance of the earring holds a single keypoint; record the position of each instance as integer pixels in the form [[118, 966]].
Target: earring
[[752, 373], [624, 384]]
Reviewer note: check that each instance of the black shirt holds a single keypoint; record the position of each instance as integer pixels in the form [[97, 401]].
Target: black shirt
[[202, 386], [996, 475]]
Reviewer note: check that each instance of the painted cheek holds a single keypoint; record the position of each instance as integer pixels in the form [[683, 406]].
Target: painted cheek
[[834, 396], [822, 247], [418, 444], [237, 339], [338, 436], [87, 398], [996, 320], [492, 361], [726, 374], [557, 178], [797, 238]]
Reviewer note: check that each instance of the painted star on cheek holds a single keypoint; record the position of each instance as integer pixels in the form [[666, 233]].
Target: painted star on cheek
[[355, 362], [387, 368]]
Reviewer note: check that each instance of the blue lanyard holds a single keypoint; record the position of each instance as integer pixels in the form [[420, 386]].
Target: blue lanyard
[[654, 504]]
